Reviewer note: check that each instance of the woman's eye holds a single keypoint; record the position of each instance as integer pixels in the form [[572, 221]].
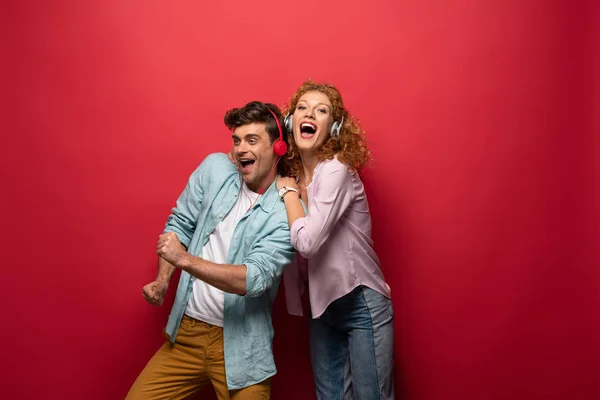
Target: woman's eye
[[323, 111], [300, 108]]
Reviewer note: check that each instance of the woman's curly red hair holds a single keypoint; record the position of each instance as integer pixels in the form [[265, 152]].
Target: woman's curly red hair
[[350, 146]]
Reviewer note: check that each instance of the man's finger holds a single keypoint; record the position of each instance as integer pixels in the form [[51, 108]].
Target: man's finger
[[148, 298]]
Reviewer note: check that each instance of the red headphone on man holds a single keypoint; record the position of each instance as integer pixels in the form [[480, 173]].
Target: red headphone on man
[[279, 146]]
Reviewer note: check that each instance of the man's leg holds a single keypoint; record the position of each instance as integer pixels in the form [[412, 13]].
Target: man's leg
[[215, 370], [215, 363], [177, 370], [259, 391]]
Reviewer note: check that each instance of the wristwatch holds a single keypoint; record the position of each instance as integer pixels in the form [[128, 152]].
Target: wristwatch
[[284, 190]]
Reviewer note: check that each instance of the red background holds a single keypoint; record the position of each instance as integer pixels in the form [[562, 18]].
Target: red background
[[483, 122]]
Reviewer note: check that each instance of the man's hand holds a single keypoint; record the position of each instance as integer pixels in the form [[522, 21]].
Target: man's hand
[[286, 181], [154, 292], [170, 248]]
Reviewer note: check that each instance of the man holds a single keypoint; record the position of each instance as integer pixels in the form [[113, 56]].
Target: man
[[234, 227]]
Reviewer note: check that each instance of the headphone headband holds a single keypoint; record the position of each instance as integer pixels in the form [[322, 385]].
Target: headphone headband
[[279, 146], [278, 125]]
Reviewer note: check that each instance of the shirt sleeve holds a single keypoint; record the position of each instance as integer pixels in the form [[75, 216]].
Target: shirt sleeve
[[269, 256], [184, 216], [333, 196]]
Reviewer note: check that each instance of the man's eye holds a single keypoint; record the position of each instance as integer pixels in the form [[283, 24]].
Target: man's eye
[[252, 141]]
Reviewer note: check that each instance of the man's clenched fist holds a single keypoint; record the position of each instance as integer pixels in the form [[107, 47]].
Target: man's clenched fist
[[154, 292]]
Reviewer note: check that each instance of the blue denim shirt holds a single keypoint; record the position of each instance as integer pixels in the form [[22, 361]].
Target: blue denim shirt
[[260, 241]]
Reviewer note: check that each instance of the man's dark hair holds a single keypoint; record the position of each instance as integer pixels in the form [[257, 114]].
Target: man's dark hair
[[256, 112]]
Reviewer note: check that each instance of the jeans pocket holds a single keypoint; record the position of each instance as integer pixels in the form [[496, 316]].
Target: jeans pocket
[[390, 308]]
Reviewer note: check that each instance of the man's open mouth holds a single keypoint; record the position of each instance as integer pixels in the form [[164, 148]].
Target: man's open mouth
[[246, 164]]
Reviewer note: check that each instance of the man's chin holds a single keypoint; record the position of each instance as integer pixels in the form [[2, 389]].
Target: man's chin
[[247, 178]]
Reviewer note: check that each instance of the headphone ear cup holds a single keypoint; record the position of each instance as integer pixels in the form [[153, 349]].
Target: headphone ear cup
[[279, 148], [287, 122], [335, 129]]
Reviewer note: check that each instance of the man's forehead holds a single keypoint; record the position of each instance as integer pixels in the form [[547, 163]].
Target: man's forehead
[[255, 128]]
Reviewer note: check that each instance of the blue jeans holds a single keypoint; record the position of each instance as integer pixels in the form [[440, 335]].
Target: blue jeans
[[352, 346]]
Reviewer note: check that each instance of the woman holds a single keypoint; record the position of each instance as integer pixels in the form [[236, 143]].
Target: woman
[[351, 331]]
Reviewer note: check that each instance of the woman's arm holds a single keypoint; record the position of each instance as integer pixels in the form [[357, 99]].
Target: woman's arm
[[332, 195], [291, 199]]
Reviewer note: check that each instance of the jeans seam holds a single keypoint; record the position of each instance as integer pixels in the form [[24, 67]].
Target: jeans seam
[[342, 370], [362, 293]]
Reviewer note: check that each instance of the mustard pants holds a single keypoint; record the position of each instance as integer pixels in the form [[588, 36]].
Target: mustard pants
[[179, 370]]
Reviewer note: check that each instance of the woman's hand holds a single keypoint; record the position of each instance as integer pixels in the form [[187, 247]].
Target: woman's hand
[[286, 181], [232, 159]]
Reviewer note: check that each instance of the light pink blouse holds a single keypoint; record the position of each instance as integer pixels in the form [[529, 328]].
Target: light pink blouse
[[335, 238]]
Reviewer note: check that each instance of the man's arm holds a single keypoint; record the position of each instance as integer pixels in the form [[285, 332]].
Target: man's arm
[[227, 277], [165, 270], [184, 216], [269, 256], [154, 292], [182, 221]]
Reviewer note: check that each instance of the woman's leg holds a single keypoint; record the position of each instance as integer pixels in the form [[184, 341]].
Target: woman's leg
[[370, 327], [329, 358]]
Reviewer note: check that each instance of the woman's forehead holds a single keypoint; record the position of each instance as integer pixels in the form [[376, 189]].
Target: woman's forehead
[[314, 96]]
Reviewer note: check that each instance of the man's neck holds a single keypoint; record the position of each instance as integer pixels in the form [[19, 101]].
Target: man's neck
[[260, 187]]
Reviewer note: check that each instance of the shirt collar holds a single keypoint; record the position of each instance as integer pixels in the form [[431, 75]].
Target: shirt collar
[[267, 200]]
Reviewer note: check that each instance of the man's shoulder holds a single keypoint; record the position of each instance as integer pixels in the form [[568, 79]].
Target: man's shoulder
[[279, 213], [217, 160], [216, 164]]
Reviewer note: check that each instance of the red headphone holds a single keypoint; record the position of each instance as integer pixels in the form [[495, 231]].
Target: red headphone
[[279, 146]]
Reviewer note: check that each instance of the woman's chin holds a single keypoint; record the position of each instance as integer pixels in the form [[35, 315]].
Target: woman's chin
[[307, 149]]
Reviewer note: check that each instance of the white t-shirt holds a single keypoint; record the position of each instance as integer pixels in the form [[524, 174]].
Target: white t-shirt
[[206, 303]]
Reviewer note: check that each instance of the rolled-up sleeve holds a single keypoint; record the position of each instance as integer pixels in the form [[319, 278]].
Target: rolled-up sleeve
[[333, 195], [269, 256]]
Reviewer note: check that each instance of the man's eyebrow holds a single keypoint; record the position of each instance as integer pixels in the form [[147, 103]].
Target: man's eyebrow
[[247, 136]]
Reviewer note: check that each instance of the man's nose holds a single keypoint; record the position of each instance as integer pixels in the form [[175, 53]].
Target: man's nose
[[241, 148]]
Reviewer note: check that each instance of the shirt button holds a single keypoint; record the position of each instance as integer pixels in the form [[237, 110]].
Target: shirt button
[[221, 216]]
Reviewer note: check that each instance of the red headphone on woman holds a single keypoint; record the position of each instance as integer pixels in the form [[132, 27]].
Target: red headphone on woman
[[279, 146]]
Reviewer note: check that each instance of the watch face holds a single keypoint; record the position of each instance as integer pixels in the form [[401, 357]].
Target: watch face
[[282, 191]]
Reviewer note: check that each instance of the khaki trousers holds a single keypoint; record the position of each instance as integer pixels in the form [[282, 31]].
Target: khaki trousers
[[179, 370]]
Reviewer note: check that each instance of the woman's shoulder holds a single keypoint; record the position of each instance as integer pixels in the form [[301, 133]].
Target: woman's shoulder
[[333, 167]]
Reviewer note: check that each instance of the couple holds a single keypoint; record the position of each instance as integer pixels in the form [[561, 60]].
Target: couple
[[234, 230]]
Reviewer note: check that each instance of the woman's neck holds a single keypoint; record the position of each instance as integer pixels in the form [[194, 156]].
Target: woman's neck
[[309, 163]]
